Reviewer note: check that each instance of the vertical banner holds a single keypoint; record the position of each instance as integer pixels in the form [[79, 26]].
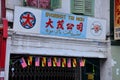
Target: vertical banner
[[49, 62], [117, 19], [58, 62], [43, 61], [37, 61], [82, 62], [74, 62], [30, 60], [54, 62], [69, 62], [63, 62]]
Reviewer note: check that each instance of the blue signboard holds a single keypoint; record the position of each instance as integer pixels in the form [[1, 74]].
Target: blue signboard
[[64, 25]]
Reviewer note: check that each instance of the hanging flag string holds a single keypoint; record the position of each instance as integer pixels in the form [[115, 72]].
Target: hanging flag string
[[53, 62]]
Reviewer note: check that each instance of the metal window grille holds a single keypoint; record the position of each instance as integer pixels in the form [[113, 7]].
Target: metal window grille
[[16, 72], [31, 72]]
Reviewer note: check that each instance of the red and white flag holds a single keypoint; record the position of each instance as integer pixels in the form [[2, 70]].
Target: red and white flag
[[82, 62], [37, 61], [58, 62], [23, 63], [69, 62], [49, 62]]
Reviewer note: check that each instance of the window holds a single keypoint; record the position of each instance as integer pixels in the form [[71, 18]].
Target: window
[[45, 4], [85, 7]]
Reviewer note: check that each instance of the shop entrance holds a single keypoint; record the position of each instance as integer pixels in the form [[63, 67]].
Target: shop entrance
[[39, 67], [91, 71]]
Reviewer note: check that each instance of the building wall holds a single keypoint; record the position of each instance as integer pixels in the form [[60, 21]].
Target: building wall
[[21, 43], [101, 11], [115, 50]]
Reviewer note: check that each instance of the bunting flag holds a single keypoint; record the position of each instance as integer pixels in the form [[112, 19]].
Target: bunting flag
[[82, 62], [43, 61], [30, 60], [63, 62], [23, 63], [74, 62], [49, 62], [69, 62], [54, 62], [37, 61], [58, 62]]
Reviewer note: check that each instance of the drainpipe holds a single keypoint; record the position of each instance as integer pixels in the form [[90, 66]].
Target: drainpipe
[[3, 9]]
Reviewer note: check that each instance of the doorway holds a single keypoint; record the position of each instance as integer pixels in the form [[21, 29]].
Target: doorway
[[88, 71]]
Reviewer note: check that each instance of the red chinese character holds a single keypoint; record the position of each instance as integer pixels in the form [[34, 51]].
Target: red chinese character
[[28, 19], [60, 24], [70, 26], [49, 23], [80, 26]]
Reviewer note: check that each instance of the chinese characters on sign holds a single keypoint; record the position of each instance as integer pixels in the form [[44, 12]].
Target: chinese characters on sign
[[58, 24]]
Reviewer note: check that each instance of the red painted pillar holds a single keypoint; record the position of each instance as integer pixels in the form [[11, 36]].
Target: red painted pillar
[[3, 37], [3, 40], [3, 9]]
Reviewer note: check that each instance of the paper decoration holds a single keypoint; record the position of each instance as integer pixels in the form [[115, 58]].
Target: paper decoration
[[30, 60], [90, 76], [82, 62], [63, 62], [69, 62], [54, 62], [49, 62], [74, 62], [23, 63], [58, 62], [43, 61], [37, 61]]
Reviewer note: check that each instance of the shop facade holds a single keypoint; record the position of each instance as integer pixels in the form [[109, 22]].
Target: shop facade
[[48, 45]]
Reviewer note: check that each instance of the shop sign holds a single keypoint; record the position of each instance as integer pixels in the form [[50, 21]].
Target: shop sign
[[117, 20], [52, 23], [59, 24]]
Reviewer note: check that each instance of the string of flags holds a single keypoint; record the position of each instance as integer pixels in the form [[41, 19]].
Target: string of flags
[[52, 62]]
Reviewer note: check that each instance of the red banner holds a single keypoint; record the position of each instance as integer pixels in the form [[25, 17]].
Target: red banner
[[117, 20]]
